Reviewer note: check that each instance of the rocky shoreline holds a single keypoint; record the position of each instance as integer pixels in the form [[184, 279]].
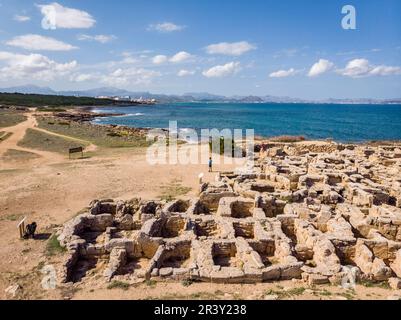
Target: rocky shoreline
[[87, 115]]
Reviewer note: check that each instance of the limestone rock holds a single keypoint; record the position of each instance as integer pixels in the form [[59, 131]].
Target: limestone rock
[[395, 283], [13, 290]]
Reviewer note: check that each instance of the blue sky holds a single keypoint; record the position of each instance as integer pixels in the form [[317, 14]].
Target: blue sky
[[231, 47]]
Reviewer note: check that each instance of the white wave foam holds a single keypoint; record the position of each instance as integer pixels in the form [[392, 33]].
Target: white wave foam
[[130, 115]]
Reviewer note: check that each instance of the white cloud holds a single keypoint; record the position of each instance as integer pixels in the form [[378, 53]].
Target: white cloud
[[159, 59], [320, 67], [230, 49], [347, 53], [130, 76], [180, 57], [102, 38], [36, 66], [385, 71], [165, 27], [222, 71], [82, 77], [21, 18], [359, 68], [184, 73], [56, 16], [177, 58], [37, 42], [283, 73]]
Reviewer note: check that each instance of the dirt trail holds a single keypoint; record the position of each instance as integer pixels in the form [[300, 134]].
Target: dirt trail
[[89, 146], [18, 132]]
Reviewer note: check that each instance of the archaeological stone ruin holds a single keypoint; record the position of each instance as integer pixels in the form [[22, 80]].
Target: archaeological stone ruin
[[310, 212]]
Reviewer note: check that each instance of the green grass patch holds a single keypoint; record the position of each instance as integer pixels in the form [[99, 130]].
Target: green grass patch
[[349, 294], [12, 217], [285, 294], [51, 109], [54, 247], [194, 296], [371, 284], [10, 119], [323, 292], [18, 155], [173, 190], [296, 291], [187, 282], [4, 135], [35, 139], [115, 284], [219, 293], [42, 100], [151, 283], [287, 139], [101, 136]]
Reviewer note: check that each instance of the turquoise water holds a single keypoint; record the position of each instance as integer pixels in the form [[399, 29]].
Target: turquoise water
[[347, 123]]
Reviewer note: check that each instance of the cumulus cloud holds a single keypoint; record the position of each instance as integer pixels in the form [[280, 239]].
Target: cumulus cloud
[[130, 76], [37, 42], [165, 27], [21, 18], [32, 66], [230, 49], [177, 58], [283, 73], [56, 16], [82, 77], [222, 70], [180, 57], [159, 59], [102, 38], [359, 68], [385, 71], [320, 67], [185, 73]]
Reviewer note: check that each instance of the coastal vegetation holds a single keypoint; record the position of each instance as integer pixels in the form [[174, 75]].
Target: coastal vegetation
[[4, 135], [115, 284], [35, 139], [53, 247], [173, 190], [9, 118], [38, 100], [287, 139], [101, 136], [18, 155]]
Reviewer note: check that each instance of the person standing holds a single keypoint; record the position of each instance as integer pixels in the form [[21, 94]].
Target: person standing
[[210, 164]]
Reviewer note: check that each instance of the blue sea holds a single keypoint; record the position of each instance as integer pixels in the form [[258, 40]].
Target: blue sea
[[344, 123]]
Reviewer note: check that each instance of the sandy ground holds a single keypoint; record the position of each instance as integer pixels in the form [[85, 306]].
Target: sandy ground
[[52, 189]]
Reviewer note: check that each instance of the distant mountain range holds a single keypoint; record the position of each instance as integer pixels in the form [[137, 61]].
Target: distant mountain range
[[188, 97]]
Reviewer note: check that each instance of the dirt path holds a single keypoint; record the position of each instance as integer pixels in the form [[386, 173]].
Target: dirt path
[[90, 146], [18, 132]]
